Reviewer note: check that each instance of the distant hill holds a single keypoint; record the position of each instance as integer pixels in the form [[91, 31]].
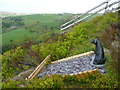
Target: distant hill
[[6, 14]]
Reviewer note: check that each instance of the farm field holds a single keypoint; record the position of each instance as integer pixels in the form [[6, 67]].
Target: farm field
[[19, 35], [35, 28], [51, 20]]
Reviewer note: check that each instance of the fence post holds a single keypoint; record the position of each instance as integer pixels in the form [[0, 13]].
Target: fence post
[[106, 6]]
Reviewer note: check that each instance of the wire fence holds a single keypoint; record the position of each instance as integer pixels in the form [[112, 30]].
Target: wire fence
[[108, 8]]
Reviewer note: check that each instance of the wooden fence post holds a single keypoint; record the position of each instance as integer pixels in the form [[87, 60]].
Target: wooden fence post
[[37, 70]]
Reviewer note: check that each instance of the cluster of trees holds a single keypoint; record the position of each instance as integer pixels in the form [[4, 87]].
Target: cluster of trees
[[10, 23]]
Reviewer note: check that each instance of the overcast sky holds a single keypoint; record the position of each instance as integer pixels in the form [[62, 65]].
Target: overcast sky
[[48, 6]]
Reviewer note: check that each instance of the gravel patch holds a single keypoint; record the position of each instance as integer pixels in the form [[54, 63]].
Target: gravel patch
[[72, 66]]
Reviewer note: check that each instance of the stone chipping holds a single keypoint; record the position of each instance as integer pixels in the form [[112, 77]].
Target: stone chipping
[[70, 67]]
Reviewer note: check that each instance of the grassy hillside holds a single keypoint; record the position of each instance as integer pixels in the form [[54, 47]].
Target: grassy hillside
[[18, 34], [21, 35], [76, 41], [50, 20], [10, 14], [19, 29]]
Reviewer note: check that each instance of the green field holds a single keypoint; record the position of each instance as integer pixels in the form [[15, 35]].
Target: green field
[[18, 34], [51, 20], [21, 35], [36, 27]]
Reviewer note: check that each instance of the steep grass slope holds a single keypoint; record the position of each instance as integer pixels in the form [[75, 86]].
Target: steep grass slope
[[76, 41]]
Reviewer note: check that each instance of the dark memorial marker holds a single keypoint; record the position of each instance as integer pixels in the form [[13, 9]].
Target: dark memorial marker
[[99, 58]]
